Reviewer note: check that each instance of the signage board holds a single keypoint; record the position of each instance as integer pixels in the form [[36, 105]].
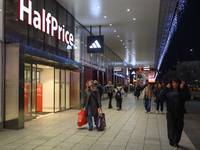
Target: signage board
[[44, 22], [95, 44]]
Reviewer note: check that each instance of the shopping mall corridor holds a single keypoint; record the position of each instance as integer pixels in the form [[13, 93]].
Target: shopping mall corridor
[[128, 129]]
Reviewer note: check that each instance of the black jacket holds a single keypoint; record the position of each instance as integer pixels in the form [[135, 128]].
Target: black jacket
[[157, 93], [175, 99]]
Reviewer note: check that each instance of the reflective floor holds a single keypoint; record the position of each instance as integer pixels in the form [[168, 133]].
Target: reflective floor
[[128, 129]]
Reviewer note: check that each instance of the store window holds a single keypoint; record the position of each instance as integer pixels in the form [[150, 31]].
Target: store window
[[1, 68], [1, 19]]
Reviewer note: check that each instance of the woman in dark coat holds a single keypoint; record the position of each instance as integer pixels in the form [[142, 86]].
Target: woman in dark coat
[[91, 102], [158, 101], [175, 96], [137, 91]]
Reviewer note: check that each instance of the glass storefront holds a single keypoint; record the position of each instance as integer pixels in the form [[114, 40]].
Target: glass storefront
[[39, 98]]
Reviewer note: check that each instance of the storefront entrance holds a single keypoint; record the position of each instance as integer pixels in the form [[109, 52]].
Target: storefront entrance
[[40, 98], [38, 83]]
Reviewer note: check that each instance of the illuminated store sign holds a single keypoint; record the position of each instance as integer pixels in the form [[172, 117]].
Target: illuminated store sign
[[44, 22], [95, 44]]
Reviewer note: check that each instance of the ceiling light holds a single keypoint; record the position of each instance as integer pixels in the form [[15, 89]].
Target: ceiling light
[[118, 36], [16, 19], [105, 16], [114, 30], [0, 9], [110, 24], [98, 6], [123, 44], [121, 40], [128, 9], [134, 18]]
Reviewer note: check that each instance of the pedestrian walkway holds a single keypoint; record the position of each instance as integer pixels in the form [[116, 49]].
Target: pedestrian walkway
[[128, 129]]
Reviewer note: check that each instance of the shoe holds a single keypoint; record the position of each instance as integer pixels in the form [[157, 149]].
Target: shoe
[[149, 112], [157, 112], [117, 108], [145, 111], [110, 107], [90, 129]]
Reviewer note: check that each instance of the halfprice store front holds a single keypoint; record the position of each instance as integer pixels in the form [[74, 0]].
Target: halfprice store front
[[41, 75]]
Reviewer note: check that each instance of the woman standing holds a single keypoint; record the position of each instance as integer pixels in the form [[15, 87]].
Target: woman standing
[[109, 89], [148, 93], [91, 102], [119, 95]]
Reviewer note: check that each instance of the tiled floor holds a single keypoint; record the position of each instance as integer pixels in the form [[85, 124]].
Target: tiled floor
[[128, 129]]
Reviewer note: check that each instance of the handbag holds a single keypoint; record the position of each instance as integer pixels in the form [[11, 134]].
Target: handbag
[[81, 118], [146, 97], [101, 120]]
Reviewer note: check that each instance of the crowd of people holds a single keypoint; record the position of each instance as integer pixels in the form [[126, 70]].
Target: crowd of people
[[174, 94]]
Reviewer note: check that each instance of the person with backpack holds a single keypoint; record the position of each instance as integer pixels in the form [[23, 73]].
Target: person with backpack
[[119, 95]]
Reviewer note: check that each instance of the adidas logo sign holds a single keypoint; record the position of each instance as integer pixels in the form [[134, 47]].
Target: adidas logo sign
[[95, 45]]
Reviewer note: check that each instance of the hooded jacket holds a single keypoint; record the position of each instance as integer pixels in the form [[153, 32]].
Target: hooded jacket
[[175, 99], [94, 99]]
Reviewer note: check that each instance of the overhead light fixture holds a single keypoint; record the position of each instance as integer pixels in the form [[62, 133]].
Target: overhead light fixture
[[128, 9], [98, 6], [121, 40], [115, 31], [0, 9], [110, 24], [118, 36], [105, 16], [134, 18], [123, 44]]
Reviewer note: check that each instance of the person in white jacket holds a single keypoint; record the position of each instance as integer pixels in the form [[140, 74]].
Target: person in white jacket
[[119, 95]]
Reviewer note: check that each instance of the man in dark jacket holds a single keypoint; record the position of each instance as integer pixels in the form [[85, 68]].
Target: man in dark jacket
[[185, 87], [91, 102], [158, 101], [175, 96]]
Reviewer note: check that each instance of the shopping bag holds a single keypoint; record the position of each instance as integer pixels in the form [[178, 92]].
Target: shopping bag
[[101, 120], [81, 118]]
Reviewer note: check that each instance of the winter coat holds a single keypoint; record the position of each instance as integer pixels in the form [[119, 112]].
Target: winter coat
[[157, 94], [122, 90], [109, 88], [175, 99], [138, 90], [148, 92], [93, 102]]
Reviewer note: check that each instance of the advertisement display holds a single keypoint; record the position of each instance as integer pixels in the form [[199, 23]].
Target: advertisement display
[[39, 97], [95, 44], [26, 96]]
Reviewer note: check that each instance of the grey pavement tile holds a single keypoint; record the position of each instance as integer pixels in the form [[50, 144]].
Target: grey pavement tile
[[115, 148], [66, 145], [11, 146], [83, 146], [43, 148], [27, 147]]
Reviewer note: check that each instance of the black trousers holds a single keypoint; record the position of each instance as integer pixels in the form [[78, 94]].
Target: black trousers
[[161, 105], [119, 103], [175, 125], [110, 95]]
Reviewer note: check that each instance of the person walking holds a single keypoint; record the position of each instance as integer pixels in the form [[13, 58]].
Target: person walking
[[147, 95], [158, 101], [91, 102], [119, 95], [110, 89], [175, 96], [125, 90], [137, 92], [99, 87]]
